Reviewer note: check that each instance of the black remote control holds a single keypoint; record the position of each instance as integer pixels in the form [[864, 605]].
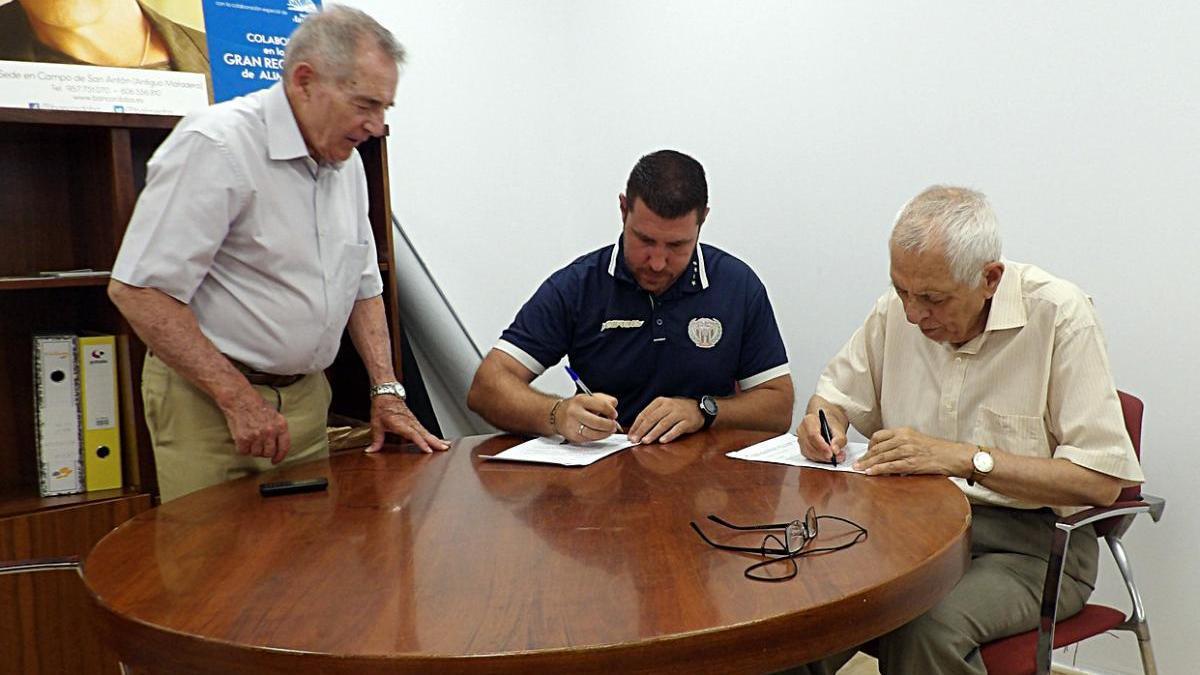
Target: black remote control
[[287, 487]]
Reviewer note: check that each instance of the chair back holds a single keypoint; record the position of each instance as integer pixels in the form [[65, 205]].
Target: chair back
[[1132, 407], [1030, 652]]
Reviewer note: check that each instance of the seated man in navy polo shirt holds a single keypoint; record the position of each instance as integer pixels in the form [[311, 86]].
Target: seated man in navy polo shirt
[[671, 335]]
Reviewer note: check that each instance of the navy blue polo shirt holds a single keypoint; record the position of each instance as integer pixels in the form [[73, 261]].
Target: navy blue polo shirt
[[711, 331]]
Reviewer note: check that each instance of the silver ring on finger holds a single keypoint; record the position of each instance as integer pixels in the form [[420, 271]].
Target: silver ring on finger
[[581, 428]]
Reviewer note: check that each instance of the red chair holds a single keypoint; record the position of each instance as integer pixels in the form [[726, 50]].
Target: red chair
[[1029, 653]]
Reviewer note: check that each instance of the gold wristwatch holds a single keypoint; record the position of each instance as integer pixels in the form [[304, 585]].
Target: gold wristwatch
[[982, 464]]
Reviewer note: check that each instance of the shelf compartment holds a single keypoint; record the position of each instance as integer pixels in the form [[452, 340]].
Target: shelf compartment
[[79, 118], [23, 500], [34, 283]]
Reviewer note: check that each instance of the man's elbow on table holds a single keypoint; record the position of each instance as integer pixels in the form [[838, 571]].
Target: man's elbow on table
[[776, 411], [779, 422]]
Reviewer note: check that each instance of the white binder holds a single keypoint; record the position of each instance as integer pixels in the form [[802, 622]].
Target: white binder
[[56, 410]]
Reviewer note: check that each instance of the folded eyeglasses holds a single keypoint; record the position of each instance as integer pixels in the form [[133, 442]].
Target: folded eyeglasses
[[797, 536]]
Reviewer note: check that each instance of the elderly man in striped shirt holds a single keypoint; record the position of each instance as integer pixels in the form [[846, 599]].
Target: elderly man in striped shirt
[[995, 374]]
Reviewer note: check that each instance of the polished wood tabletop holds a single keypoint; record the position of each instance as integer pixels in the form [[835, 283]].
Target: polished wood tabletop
[[450, 563]]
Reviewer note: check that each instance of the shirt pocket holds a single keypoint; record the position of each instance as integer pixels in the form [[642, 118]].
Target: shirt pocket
[[350, 268], [1018, 434]]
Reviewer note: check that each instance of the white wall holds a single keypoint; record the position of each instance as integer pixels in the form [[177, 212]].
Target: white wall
[[517, 123]]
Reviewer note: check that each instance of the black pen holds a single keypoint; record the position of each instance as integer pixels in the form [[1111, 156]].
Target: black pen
[[827, 436]]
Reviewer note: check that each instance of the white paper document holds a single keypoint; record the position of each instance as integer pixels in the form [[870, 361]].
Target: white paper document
[[785, 449], [552, 450]]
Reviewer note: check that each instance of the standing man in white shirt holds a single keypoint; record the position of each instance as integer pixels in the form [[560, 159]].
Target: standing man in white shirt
[[995, 374], [250, 252]]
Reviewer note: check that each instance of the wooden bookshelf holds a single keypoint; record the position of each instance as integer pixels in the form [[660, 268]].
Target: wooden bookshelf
[[20, 501], [27, 283], [68, 185]]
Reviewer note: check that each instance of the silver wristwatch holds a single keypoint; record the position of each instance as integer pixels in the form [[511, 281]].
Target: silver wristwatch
[[389, 389], [708, 410]]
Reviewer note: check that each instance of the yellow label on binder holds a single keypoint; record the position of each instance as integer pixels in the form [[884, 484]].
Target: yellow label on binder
[[101, 426]]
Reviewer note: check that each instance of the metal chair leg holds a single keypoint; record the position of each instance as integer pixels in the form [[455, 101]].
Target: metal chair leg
[[1137, 622], [1049, 613], [1142, 630]]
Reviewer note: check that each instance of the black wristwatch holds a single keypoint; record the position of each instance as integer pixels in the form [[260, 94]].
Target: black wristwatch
[[708, 408]]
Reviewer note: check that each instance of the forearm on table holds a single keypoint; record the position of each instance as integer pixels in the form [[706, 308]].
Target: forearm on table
[[1041, 480], [504, 398], [372, 339], [169, 328], [767, 407]]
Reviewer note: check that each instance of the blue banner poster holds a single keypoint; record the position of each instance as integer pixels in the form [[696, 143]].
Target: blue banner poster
[[246, 41]]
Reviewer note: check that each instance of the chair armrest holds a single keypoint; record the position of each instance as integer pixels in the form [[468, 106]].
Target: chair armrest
[[1125, 510], [1157, 506], [1092, 515]]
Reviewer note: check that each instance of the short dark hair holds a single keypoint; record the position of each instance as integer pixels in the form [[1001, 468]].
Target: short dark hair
[[670, 183]]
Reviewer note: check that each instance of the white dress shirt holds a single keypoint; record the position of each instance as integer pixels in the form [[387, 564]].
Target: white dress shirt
[[1036, 382], [269, 249]]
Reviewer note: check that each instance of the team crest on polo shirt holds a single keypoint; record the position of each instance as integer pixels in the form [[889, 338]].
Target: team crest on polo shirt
[[704, 332]]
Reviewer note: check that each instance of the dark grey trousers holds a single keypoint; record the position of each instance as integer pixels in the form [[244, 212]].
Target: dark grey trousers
[[1000, 595]]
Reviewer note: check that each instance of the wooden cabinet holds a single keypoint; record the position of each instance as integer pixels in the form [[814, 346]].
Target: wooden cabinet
[[68, 184]]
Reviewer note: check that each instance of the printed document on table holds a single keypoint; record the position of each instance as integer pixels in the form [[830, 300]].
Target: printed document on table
[[552, 450], [785, 449]]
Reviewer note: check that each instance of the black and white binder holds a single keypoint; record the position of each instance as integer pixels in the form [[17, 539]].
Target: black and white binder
[[56, 410]]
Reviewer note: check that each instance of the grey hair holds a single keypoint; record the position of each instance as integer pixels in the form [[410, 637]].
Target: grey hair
[[958, 222], [331, 38]]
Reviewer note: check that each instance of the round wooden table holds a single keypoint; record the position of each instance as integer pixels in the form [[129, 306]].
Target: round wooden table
[[449, 563]]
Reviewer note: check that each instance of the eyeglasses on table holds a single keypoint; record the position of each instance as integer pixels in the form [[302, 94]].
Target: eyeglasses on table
[[784, 542]]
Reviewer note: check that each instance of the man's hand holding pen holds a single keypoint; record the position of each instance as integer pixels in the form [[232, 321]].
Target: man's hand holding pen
[[595, 416], [587, 417], [812, 442]]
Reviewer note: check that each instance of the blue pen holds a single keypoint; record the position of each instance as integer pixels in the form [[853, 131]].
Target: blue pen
[[578, 382], [584, 388]]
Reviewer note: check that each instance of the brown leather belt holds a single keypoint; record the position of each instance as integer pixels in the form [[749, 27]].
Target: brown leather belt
[[265, 379]]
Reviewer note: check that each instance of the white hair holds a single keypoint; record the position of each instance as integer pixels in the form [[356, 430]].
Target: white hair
[[332, 38], [956, 221]]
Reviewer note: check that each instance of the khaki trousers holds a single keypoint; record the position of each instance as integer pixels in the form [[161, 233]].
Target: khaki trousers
[[1000, 595], [193, 448]]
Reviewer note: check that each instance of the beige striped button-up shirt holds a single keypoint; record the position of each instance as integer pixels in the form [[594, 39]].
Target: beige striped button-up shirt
[[1036, 382]]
